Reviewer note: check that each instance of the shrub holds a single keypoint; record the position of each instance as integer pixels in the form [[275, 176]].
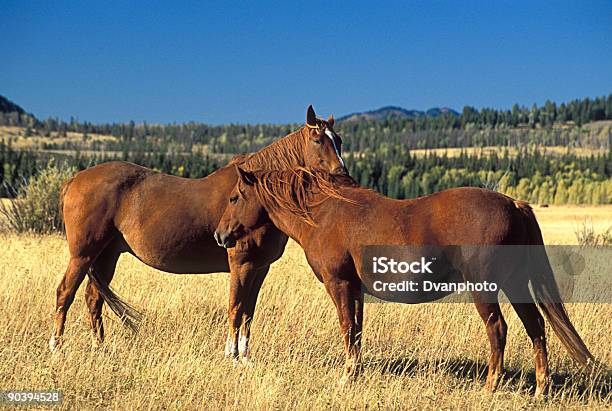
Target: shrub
[[36, 204], [586, 235]]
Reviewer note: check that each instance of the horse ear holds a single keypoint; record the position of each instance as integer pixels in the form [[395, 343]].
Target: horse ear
[[330, 120], [311, 117], [246, 177]]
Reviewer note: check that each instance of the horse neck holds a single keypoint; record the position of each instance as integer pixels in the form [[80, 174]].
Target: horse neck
[[285, 153], [298, 229], [292, 225]]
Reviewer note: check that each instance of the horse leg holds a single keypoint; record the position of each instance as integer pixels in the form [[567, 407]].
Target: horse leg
[[75, 273], [104, 269], [341, 292], [240, 276], [496, 331], [252, 292], [358, 296], [534, 325]]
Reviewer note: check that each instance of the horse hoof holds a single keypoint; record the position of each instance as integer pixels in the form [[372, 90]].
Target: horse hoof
[[492, 385], [96, 343], [54, 344], [231, 353], [346, 380], [540, 393], [246, 361]]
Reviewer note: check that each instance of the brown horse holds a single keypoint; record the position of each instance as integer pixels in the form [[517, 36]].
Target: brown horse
[[168, 222], [332, 218]]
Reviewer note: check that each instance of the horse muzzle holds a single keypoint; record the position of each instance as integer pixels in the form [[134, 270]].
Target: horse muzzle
[[225, 240]]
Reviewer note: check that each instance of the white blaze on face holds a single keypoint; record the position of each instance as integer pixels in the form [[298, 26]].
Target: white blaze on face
[[333, 140]]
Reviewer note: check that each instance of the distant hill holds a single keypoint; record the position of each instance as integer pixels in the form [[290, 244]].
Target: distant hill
[[396, 112], [7, 106], [438, 111]]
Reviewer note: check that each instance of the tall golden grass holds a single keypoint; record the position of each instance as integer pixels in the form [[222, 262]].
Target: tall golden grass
[[429, 356]]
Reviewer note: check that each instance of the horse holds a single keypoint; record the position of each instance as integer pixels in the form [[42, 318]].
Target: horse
[[168, 222], [332, 218]]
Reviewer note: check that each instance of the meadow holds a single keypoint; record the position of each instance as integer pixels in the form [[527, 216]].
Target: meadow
[[33, 140], [429, 356]]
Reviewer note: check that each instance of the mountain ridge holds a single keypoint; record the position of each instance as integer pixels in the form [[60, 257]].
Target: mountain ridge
[[7, 106], [396, 112]]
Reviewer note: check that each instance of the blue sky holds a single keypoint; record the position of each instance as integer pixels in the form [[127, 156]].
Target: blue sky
[[264, 62]]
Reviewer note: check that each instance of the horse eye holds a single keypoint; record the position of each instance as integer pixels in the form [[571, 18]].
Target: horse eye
[[234, 199], [317, 141]]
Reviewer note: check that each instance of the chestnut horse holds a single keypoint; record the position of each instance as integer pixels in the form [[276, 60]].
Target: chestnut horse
[[168, 222], [332, 218]]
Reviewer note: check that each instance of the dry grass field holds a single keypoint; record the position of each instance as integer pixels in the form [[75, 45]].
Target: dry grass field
[[36, 141], [430, 356], [559, 223], [512, 151]]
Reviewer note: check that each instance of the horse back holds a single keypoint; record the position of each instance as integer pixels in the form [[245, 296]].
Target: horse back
[[466, 215], [90, 200], [103, 181], [457, 216]]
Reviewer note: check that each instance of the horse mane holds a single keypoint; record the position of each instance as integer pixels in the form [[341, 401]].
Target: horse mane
[[284, 153], [300, 189]]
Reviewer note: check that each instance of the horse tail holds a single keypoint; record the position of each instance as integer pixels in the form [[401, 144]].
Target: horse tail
[[129, 316], [547, 292]]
